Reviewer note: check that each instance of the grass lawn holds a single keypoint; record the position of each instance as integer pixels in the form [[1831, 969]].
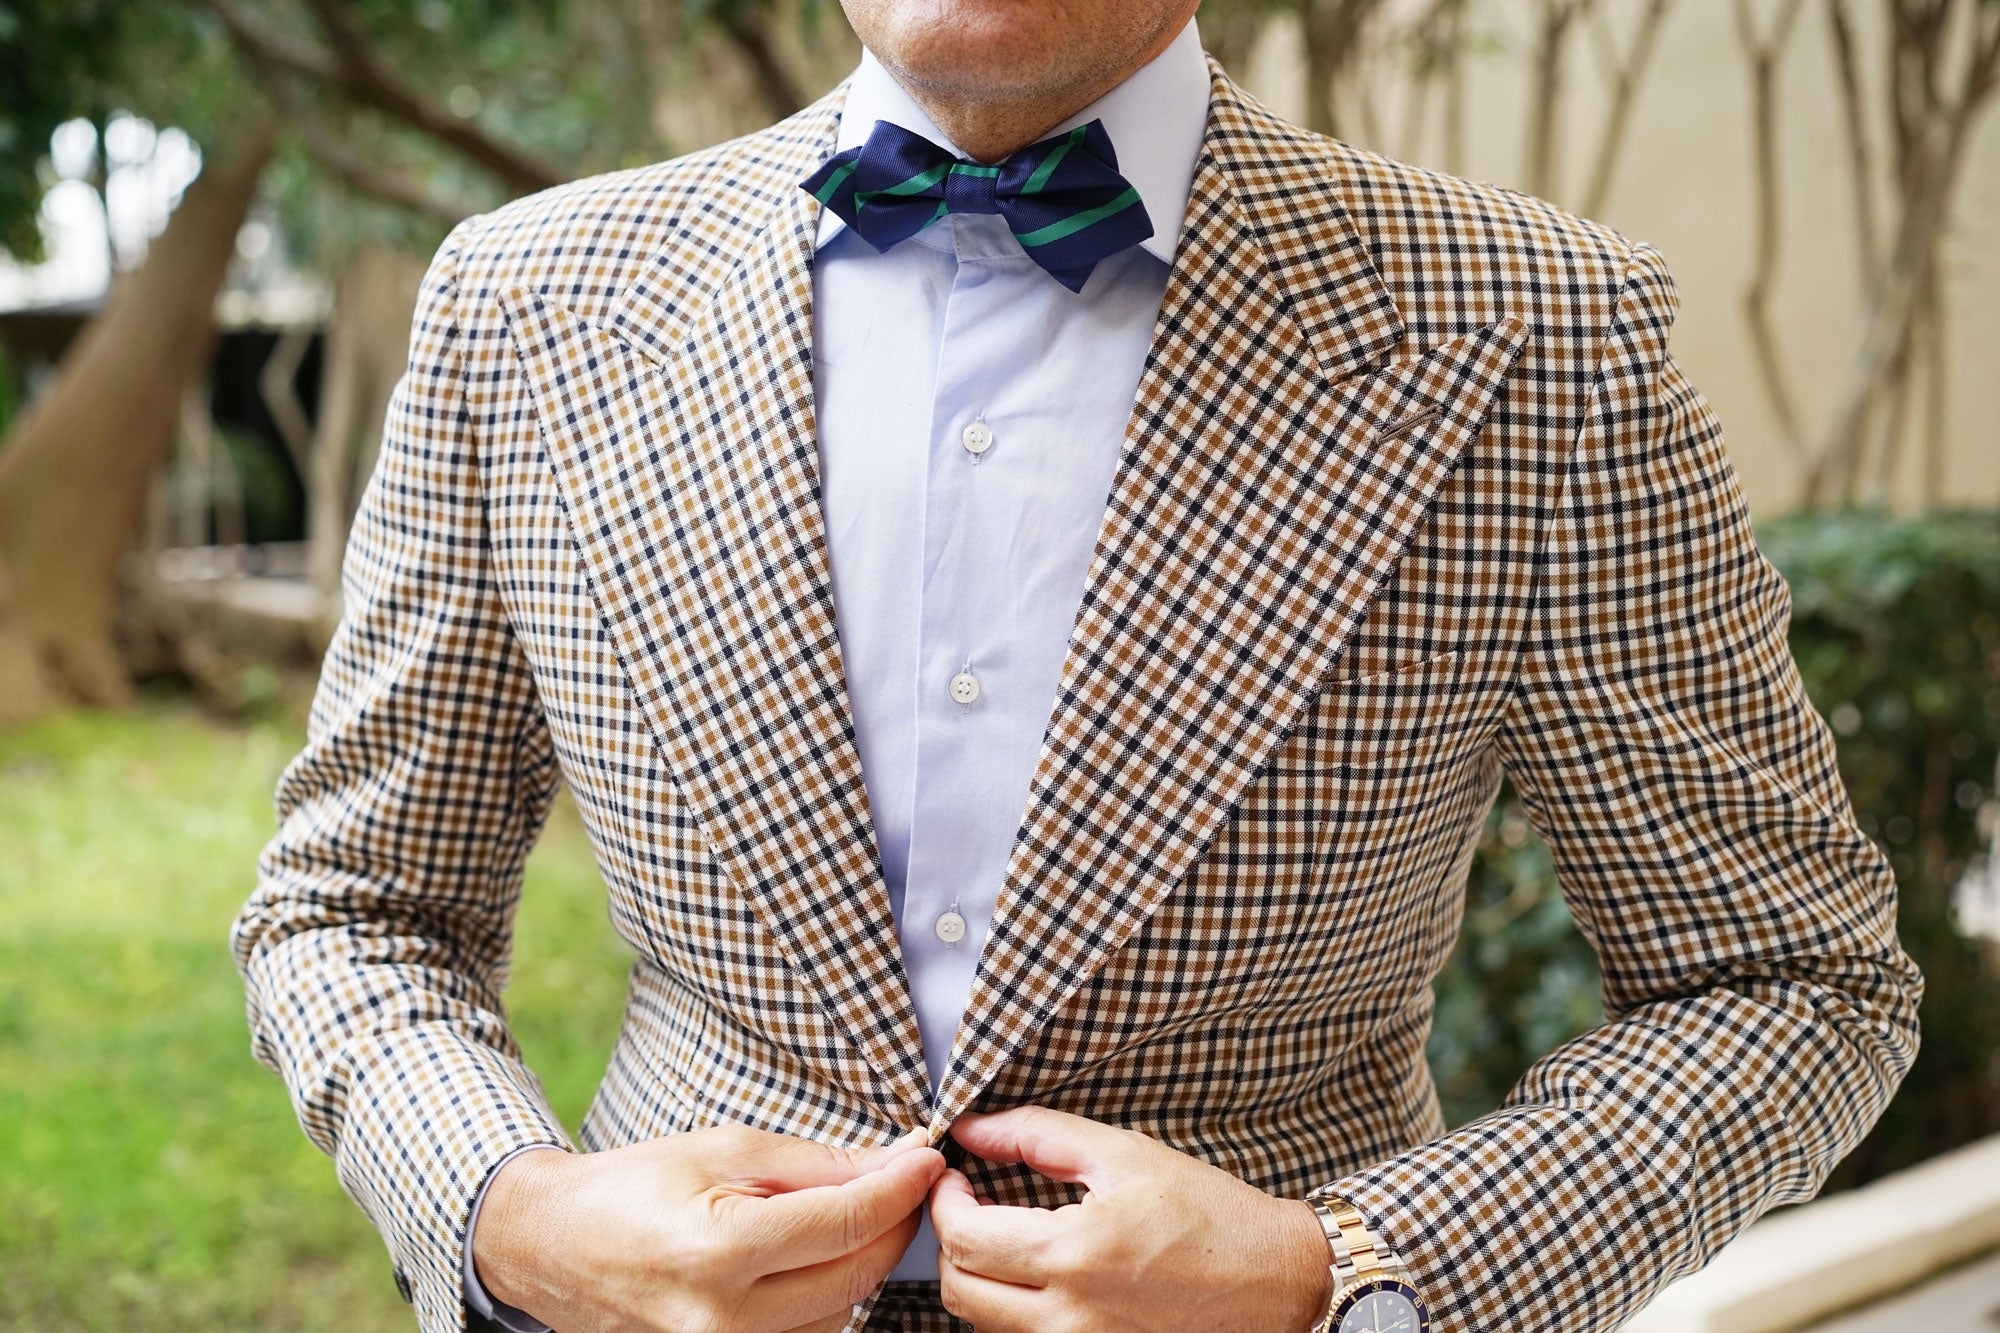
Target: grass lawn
[[151, 1174]]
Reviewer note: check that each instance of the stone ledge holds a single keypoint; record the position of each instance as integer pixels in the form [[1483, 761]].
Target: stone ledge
[[1839, 1252]]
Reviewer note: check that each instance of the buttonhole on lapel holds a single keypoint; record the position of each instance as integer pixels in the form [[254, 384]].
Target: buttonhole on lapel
[[1402, 425]]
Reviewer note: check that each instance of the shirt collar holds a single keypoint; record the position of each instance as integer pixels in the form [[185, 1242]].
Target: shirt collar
[[1155, 118]]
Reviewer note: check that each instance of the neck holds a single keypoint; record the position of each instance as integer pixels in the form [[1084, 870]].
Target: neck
[[988, 128], [988, 133]]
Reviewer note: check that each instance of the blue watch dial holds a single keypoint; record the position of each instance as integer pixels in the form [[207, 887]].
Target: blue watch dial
[[1381, 1305]]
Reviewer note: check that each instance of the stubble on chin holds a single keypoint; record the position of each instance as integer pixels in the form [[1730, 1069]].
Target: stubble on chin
[[987, 52], [996, 74]]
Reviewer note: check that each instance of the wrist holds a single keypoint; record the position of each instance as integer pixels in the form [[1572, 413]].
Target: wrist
[[515, 1222], [1364, 1269], [1308, 1269]]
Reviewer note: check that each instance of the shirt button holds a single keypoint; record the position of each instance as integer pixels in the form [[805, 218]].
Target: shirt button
[[977, 438], [965, 687], [950, 927]]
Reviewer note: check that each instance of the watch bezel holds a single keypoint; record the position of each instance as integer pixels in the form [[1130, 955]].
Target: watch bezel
[[1372, 1285]]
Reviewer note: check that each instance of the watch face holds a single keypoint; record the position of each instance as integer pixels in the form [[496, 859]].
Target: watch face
[[1381, 1305]]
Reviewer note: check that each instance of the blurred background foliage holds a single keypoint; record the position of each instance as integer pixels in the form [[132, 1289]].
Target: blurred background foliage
[[150, 1175], [415, 112], [1896, 629], [152, 1179], [157, 1182]]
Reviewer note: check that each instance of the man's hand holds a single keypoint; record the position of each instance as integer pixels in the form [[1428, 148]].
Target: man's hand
[[1161, 1241], [719, 1229]]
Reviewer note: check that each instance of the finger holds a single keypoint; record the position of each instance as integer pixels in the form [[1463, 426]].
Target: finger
[[994, 1240], [992, 1306], [759, 1162], [814, 1292], [822, 1222], [1055, 1143], [873, 1159]]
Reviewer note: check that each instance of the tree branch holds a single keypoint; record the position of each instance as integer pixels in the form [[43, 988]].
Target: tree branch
[[752, 36], [342, 159], [396, 187], [1454, 94], [263, 45], [1937, 399], [370, 81], [1860, 158], [1626, 74], [1552, 31], [1932, 134], [353, 71], [1763, 54], [1333, 30]]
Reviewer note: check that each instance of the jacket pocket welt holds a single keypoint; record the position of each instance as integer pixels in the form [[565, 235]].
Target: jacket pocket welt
[[1356, 720]]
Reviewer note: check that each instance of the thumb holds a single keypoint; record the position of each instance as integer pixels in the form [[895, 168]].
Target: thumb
[[874, 1159], [1054, 1143], [761, 1163], [826, 1222]]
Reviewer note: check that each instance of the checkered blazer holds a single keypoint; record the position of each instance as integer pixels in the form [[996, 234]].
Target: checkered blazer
[[1412, 495]]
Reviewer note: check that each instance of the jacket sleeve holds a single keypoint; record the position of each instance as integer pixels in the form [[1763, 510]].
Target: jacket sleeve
[[377, 942], [1760, 1010]]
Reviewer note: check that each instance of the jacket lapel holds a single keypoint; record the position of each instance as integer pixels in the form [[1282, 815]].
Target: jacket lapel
[[1275, 466], [1274, 470], [681, 437]]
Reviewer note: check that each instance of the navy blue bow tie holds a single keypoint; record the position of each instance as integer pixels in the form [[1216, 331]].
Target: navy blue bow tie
[[1062, 197]]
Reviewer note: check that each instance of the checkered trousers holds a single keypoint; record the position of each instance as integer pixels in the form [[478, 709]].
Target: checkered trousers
[[1412, 495]]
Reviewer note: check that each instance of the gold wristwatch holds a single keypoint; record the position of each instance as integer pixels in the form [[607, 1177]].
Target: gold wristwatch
[[1371, 1294]]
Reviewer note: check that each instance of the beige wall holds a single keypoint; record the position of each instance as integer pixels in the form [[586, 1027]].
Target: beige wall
[[1685, 185]]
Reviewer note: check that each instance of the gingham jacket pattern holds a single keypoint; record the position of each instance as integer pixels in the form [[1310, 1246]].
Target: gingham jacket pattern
[[1412, 495]]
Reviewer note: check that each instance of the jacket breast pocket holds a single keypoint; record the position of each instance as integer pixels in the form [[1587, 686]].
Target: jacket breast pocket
[[1431, 707], [1355, 830]]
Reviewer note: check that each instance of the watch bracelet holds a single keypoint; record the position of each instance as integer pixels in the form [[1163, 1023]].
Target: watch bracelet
[[1342, 1269]]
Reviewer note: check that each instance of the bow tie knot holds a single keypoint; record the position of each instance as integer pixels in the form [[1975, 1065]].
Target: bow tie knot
[[1062, 197], [971, 188]]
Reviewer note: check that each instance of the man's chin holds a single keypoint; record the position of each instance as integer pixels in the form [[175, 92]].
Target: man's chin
[[990, 49]]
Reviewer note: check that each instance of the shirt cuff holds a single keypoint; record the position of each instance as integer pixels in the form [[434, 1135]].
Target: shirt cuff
[[477, 1299]]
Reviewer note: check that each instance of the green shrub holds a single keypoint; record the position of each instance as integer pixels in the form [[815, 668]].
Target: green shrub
[[1896, 629]]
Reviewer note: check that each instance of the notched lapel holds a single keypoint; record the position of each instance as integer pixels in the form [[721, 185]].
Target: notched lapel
[[687, 466], [1274, 470]]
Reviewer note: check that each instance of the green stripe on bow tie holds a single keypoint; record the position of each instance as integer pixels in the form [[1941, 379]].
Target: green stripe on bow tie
[[1069, 226]]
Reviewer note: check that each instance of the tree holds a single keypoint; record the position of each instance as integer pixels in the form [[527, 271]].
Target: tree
[[79, 461], [1941, 69], [419, 115]]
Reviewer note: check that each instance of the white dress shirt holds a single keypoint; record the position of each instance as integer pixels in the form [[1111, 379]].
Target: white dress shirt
[[971, 412]]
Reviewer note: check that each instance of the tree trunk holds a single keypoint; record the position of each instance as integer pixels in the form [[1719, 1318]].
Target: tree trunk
[[75, 470], [373, 303]]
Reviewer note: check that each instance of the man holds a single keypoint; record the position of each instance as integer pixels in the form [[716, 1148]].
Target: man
[[1033, 570]]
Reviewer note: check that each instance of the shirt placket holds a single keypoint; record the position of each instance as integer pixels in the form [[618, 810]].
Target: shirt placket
[[966, 694]]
